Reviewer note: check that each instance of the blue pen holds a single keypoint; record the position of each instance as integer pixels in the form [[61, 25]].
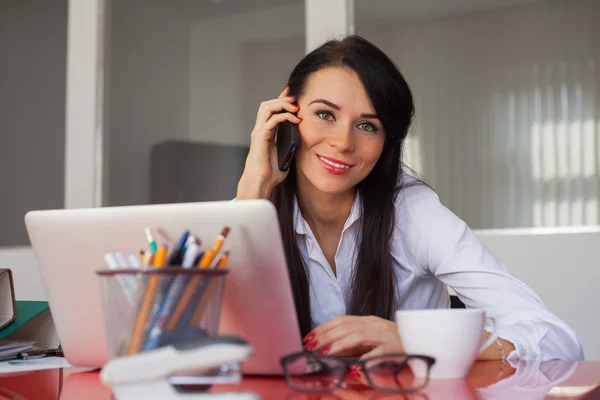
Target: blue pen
[[176, 257], [173, 292]]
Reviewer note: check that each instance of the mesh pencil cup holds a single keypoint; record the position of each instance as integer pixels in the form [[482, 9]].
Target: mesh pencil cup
[[147, 308]]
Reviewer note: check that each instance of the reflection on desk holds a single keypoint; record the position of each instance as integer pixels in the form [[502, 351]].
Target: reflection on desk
[[488, 380]]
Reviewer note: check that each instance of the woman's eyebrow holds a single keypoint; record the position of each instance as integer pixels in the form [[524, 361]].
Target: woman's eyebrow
[[336, 107], [327, 103]]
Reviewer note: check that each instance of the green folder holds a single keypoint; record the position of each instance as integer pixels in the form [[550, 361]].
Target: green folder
[[26, 311]]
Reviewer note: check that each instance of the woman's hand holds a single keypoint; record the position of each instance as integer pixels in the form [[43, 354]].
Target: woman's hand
[[350, 336], [261, 172]]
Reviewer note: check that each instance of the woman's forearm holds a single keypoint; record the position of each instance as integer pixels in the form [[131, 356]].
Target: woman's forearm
[[501, 348]]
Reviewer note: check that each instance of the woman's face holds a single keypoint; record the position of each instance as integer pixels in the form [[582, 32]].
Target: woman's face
[[341, 137]]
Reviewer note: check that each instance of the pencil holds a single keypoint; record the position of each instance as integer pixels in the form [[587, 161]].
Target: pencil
[[140, 320], [195, 282], [205, 299]]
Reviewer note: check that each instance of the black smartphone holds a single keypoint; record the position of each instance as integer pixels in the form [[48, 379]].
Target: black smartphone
[[287, 140]]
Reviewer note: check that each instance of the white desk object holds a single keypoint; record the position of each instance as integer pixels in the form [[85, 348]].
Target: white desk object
[[153, 374]]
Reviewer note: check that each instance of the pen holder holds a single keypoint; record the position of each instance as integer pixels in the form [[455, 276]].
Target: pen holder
[[148, 308]]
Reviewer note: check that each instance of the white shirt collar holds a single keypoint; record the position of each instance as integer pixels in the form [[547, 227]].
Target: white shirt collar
[[301, 226]]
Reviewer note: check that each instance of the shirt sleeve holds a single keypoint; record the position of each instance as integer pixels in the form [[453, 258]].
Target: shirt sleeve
[[447, 248]]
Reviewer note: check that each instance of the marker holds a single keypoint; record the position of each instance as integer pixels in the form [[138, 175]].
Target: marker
[[151, 240], [121, 259], [134, 261], [111, 261], [128, 283]]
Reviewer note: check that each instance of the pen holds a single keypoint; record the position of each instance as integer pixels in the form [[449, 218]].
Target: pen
[[151, 240], [146, 308], [176, 256], [221, 261], [26, 355], [173, 292], [195, 282]]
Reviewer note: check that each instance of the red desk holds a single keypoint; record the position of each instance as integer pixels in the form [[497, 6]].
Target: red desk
[[550, 380]]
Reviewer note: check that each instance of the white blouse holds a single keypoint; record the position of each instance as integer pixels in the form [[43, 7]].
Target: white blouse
[[432, 249]]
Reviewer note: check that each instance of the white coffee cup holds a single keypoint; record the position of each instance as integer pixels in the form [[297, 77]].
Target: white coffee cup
[[451, 336]]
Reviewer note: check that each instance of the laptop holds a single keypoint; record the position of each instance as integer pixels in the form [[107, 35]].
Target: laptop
[[258, 304]]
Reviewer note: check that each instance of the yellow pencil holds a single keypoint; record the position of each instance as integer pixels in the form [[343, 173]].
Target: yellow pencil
[[140, 320], [209, 291]]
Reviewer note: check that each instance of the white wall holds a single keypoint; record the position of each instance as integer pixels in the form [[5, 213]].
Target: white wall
[[230, 71], [148, 86]]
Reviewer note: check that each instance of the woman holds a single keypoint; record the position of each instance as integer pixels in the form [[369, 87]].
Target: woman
[[362, 238]]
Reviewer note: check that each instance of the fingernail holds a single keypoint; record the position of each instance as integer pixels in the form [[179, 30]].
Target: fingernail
[[286, 87], [310, 346], [354, 367], [355, 373], [325, 350], [309, 337], [299, 118]]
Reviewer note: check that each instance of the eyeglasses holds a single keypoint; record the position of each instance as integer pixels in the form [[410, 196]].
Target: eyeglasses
[[397, 373]]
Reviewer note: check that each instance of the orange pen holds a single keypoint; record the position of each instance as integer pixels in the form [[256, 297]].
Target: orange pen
[[140, 320], [196, 281]]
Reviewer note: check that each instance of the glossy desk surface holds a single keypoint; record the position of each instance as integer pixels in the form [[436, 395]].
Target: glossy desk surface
[[488, 380]]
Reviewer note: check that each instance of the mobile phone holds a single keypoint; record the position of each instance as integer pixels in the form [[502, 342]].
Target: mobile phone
[[287, 140]]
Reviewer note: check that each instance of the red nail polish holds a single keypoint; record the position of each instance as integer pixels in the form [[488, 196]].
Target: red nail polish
[[310, 346], [325, 350], [299, 118], [309, 337], [354, 367], [355, 374], [286, 87]]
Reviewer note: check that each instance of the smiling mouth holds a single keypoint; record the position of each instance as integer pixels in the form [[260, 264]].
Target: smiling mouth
[[335, 164]]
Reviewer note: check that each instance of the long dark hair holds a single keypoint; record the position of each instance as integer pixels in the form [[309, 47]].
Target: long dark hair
[[373, 282]]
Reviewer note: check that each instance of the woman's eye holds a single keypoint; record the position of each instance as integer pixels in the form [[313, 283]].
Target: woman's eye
[[367, 127], [326, 115]]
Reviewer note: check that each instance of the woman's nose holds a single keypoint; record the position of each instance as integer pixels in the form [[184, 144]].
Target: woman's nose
[[342, 138]]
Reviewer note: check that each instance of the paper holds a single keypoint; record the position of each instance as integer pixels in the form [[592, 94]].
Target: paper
[[12, 347], [8, 367]]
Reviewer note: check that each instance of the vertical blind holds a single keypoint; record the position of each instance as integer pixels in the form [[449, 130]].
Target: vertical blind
[[507, 124]]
